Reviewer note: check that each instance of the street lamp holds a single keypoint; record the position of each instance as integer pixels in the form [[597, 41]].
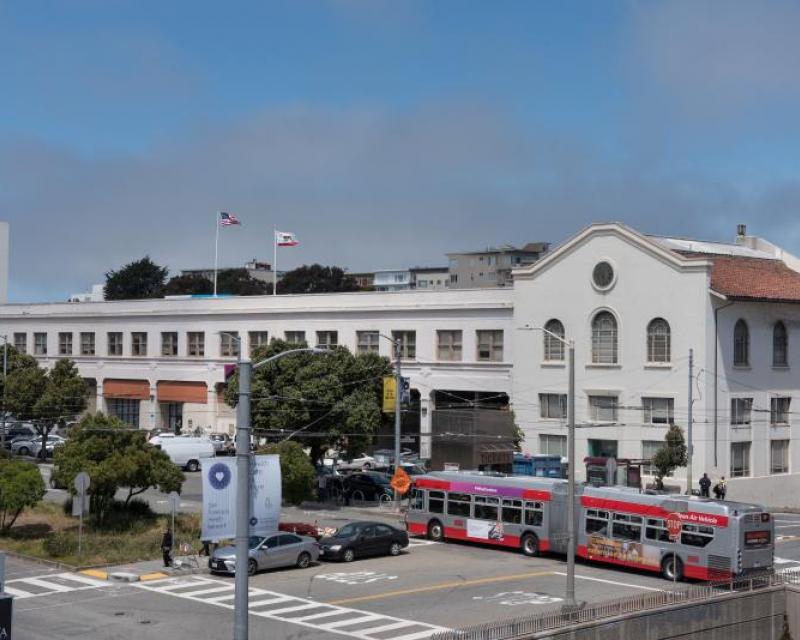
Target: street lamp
[[5, 376], [570, 602], [398, 381], [241, 578]]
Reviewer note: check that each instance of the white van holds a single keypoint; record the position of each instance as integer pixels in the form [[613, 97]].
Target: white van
[[186, 451]]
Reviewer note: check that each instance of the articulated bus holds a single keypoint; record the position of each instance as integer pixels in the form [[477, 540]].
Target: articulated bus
[[678, 536]]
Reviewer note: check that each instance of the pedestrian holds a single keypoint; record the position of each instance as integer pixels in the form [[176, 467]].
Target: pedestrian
[[723, 488], [322, 486], [705, 485], [205, 550], [166, 547]]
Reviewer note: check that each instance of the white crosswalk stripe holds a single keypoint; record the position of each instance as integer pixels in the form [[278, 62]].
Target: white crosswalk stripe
[[354, 623], [34, 587]]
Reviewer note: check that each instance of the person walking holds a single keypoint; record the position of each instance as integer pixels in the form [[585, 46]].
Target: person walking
[[723, 488], [705, 486], [166, 547]]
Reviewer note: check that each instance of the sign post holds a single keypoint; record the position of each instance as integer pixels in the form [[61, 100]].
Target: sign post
[[81, 484], [174, 501]]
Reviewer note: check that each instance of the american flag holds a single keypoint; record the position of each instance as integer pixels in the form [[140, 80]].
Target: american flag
[[227, 219]]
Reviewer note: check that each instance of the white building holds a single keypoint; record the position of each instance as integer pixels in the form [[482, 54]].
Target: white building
[[633, 305], [392, 279]]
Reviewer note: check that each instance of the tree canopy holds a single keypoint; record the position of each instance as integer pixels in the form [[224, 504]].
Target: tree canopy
[[297, 472], [316, 278], [136, 280], [115, 457], [21, 486], [322, 401], [671, 456], [237, 282], [189, 284]]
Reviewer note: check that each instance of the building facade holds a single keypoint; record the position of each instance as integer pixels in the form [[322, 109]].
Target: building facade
[[492, 267]]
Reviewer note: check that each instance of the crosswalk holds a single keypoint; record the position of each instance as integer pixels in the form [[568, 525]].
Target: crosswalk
[[354, 623], [51, 583]]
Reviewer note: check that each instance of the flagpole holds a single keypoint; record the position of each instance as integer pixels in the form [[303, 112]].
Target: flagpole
[[216, 250], [274, 261]]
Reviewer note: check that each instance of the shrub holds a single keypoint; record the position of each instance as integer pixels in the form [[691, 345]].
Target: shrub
[[21, 486], [60, 544]]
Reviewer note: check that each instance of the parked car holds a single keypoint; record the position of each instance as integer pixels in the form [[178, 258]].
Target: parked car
[[360, 539], [270, 552], [366, 485], [33, 446], [186, 451], [222, 443], [301, 528], [19, 430]]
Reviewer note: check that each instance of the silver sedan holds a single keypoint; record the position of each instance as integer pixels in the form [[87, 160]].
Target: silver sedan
[[269, 552]]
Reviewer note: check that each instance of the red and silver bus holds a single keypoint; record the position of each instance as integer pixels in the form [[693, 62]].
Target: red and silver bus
[[678, 536]]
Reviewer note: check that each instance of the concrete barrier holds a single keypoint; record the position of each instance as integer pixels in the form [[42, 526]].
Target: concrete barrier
[[777, 492]]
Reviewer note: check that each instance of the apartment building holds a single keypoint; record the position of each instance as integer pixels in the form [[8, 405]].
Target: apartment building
[[491, 267]]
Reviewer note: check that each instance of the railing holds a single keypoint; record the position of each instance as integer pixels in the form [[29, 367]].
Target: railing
[[560, 618]]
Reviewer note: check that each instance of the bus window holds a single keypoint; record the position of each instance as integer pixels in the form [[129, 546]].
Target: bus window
[[458, 504], [626, 527], [696, 535], [512, 511], [436, 501], [597, 522], [486, 508], [417, 502], [534, 514], [656, 529]]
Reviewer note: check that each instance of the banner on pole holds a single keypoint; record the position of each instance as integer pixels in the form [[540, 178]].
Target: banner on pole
[[389, 394], [265, 494]]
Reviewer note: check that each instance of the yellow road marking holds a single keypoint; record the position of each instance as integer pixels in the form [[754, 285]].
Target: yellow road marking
[[444, 585], [95, 573], [157, 575]]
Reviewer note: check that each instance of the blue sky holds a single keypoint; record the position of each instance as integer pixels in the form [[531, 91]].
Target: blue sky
[[385, 133]]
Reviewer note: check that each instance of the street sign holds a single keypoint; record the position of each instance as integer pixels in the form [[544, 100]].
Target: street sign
[[674, 525], [81, 482], [174, 500], [400, 481], [389, 394], [405, 394]]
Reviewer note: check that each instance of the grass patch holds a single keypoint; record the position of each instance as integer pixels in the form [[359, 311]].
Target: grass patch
[[133, 535]]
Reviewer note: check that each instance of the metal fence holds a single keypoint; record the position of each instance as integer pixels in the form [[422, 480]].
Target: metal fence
[[561, 618]]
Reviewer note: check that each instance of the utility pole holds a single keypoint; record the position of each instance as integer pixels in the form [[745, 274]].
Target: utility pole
[[5, 375], [571, 603], [690, 446], [241, 604], [398, 383]]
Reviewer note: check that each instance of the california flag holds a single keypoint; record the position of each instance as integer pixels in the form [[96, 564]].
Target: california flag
[[285, 239]]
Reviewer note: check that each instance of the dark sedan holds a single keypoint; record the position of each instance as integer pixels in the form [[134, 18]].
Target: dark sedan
[[366, 485], [361, 539]]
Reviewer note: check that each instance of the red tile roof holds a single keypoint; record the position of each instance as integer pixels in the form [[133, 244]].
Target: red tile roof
[[752, 278]]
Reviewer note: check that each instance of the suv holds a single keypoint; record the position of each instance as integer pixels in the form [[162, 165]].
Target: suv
[[366, 485]]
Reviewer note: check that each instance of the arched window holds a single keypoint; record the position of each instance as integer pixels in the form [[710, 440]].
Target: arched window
[[604, 338], [658, 341], [741, 344], [553, 348], [780, 345]]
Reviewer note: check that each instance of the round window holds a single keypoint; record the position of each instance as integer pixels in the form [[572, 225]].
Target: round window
[[603, 275]]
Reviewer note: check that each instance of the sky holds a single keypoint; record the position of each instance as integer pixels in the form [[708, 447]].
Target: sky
[[385, 133]]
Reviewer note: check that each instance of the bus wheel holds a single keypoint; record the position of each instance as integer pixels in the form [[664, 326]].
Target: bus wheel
[[672, 568], [530, 545], [435, 531]]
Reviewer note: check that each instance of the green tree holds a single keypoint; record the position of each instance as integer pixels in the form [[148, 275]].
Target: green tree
[[237, 282], [671, 456], [136, 280], [21, 486], [297, 472], [190, 284], [115, 457], [47, 398], [316, 278], [321, 401]]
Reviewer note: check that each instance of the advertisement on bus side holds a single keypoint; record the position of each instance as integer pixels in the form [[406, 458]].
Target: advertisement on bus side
[[624, 551], [485, 530]]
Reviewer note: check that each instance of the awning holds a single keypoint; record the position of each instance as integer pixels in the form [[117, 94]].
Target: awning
[[179, 391], [127, 389]]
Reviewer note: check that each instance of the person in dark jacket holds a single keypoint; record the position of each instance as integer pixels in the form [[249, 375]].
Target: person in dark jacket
[[166, 547], [705, 486]]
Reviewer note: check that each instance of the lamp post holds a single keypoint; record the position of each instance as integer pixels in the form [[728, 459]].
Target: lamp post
[[5, 375], [241, 585], [398, 382], [570, 602]]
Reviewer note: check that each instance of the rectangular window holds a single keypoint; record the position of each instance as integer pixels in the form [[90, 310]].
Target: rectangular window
[[124, 409], [534, 514], [87, 344], [740, 459], [696, 535], [258, 339], [658, 410], [229, 344], [603, 408], [626, 527], [295, 337], [196, 343], [649, 449], [779, 410], [169, 343], [436, 501], [490, 346], [486, 508], [40, 344], [367, 341], [21, 342], [417, 501], [553, 405], [596, 522], [779, 456], [512, 511], [408, 344], [327, 339], [453, 278], [449, 345], [458, 504], [553, 445], [139, 343], [65, 343], [114, 343], [741, 409], [656, 529]]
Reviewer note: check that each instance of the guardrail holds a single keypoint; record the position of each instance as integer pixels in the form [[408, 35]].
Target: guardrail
[[561, 618]]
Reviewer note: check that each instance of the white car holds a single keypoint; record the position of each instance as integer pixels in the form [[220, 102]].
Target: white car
[[187, 451], [33, 446]]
